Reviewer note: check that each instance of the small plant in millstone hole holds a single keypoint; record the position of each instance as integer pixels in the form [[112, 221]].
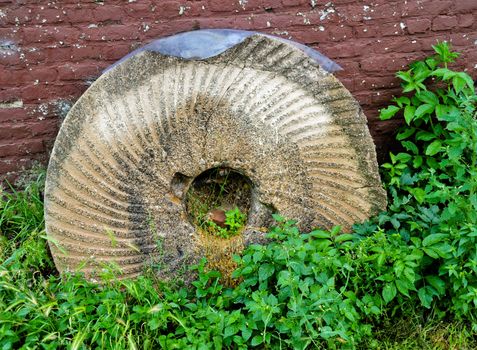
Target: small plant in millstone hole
[[218, 201], [233, 224]]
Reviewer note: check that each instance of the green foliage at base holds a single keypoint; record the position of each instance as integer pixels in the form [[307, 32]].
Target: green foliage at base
[[415, 264], [433, 182]]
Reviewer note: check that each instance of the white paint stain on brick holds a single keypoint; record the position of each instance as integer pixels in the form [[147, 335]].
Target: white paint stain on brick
[[305, 19], [242, 3], [329, 10], [12, 104], [42, 110], [8, 48]]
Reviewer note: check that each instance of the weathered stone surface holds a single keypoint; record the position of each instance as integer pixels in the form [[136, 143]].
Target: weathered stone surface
[[262, 108]]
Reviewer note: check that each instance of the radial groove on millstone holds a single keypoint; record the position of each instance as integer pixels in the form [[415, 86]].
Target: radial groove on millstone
[[261, 108]]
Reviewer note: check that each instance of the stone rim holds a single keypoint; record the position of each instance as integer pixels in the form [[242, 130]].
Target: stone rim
[[318, 94]]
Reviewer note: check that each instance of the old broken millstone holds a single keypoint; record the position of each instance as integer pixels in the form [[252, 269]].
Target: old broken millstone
[[132, 145]]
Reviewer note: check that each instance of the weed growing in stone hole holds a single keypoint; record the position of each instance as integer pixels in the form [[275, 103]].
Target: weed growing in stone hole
[[234, 223], [217, 202]]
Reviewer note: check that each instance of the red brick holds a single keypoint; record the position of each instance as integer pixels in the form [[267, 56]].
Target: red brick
[[43, 74], [342, 50], [223, 5], [7, 166], [388, 10], [13, 115], [108, 13], [50, 35], [349, 67], [465, 5], [193, 9], [78, 71], [349, 83], [461, 41], [85, 51], [57, 54], [9, 33], [11, 94], [444, 23], [143, 10], [418, 25], [34, 92], [426, 7], [284, 20], [309, 37], [363, 97], [388, 45], [169, 9], [14, 132], [112, 32], [47, 16], [115, 52], [391, 29], [295, 2], [15, 164], [466, 20], [427, 42], [79, 15], [5, 76], [44, 127], [381, 82], [17, 16], [384, 63], [46, 92], [366, 31], [340, 33], [22, 148], [10, 58]]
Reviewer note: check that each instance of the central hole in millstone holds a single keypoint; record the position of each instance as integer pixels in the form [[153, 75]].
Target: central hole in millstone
[[218, 202]]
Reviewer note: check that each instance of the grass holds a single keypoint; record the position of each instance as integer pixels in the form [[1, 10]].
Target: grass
[[409, 334]]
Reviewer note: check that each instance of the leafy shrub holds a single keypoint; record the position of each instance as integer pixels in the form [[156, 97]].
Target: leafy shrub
[[433, 183]]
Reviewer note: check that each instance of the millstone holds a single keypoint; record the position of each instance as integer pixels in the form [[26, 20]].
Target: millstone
[[132, 145]]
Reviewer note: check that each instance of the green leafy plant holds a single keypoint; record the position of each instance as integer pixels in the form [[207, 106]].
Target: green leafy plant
[[433, 183], [234, 223]]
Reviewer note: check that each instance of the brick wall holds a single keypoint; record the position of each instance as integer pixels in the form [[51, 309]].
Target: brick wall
[[51, 51]]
